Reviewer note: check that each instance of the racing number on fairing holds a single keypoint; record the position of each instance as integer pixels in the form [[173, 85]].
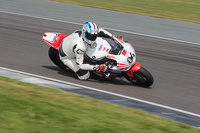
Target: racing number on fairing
[[130, 58]]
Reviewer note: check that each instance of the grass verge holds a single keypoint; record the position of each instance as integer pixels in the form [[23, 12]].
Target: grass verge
[[183, 10], [30, 108]]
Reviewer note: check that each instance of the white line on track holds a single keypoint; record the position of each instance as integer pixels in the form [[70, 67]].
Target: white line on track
[[98, 90], [135, 33]]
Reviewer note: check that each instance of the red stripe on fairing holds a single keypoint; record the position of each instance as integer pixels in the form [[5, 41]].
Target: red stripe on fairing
[[122, 65], [124, 52], [100, 47], [110, 56]]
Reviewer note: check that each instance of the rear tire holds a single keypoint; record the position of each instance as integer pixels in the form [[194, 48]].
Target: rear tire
[[54, 56], [141, 78]]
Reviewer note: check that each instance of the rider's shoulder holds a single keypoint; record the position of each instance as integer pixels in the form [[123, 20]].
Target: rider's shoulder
[[75, 35], [78, 32]]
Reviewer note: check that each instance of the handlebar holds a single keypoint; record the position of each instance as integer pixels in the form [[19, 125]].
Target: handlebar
[[117, 40]]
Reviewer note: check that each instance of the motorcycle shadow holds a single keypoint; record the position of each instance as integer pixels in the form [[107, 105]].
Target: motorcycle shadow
[[60, 71], [93, 77]]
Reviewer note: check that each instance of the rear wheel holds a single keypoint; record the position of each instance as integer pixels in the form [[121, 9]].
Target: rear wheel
[[54, 56], [141, 78]]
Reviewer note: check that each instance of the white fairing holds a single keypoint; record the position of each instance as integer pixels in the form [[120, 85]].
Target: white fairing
[[125, 58], [99, 50], [50, 37]]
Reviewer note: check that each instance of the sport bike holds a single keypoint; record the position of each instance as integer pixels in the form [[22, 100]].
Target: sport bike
[[119, 57]]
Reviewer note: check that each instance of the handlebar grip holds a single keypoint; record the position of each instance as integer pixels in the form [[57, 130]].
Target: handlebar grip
[[116, 40], [106, 63]]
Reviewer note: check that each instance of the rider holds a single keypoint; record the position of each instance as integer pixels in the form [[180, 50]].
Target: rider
[[73, 48]]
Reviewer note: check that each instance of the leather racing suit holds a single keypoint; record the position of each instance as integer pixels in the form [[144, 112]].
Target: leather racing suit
[[72, 50]]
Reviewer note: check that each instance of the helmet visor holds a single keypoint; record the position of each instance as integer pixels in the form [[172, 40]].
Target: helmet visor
[[91, 37]]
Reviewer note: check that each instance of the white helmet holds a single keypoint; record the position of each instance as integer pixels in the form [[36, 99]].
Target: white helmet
[[89, 32]]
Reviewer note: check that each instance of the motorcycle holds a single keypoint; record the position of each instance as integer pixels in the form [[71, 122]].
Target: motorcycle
[[120, 58]]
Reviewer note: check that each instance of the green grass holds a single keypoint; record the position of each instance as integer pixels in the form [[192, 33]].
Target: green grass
[[183, 10], [27, 108]]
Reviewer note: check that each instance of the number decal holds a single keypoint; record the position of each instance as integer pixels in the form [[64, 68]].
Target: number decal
[[130, 58]]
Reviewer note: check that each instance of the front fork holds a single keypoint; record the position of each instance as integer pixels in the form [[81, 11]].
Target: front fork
[[134, 68]]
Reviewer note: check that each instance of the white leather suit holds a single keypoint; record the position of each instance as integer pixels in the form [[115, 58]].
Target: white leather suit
[[72, 50]]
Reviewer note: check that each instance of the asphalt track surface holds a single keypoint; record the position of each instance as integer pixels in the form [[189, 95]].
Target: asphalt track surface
[[175, 66]]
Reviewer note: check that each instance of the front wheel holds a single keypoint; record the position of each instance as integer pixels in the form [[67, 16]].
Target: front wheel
[[141, 78]]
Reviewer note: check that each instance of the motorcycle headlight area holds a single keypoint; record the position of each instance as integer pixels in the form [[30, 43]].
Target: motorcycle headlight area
[[116, 49]]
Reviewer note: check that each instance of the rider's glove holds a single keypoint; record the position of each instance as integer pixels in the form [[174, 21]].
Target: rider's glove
[[101, 68], [96, 67]]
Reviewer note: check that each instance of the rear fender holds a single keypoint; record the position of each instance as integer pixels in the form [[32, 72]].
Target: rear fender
[[134, 68], [53, 39]]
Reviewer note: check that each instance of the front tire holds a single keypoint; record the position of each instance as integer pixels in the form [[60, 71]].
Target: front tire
[[141, 78]]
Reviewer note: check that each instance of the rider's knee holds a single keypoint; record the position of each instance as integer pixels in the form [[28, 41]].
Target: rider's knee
[[83, 74]]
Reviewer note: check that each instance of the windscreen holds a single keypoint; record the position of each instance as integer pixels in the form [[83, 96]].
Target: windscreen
[[116, 49]]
